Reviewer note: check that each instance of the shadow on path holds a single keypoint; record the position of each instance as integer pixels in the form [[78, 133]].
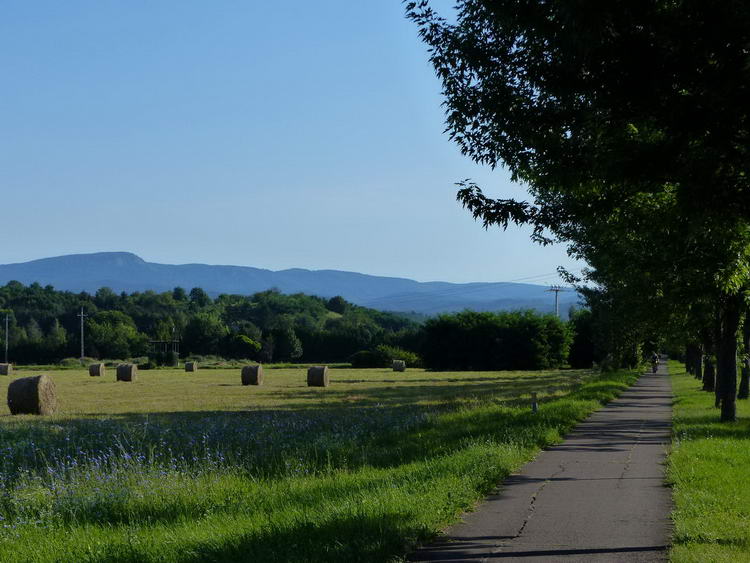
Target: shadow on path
[[597, 496]]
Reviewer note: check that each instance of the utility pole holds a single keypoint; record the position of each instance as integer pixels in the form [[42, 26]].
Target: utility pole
[[556, 289], [7, 318], [82, 315]]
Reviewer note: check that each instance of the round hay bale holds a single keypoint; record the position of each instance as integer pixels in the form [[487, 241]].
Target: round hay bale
[[399, 365], [191, 366], [6, 369], [252, 375], [127, 372], [97, 370], [32, 395], [317, 376]]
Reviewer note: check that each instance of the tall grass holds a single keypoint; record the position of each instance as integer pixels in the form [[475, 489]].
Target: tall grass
[[343, 477]]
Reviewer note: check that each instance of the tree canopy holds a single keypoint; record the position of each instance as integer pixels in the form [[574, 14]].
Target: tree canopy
[[271, 326], [628, 123]]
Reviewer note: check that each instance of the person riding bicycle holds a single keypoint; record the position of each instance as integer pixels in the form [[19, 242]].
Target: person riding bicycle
[[654, 361]]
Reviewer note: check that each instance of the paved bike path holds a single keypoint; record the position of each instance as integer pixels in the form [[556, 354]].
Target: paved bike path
[[598, 496]]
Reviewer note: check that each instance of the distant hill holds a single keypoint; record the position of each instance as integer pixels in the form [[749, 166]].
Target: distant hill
[[123, 271]]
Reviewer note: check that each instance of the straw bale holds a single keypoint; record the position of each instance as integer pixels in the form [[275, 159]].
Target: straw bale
[[317, 376], [127, 372], [252, 375], [32, 395]]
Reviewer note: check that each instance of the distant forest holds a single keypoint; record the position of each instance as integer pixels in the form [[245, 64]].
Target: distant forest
[[44, 327], [268, 326]]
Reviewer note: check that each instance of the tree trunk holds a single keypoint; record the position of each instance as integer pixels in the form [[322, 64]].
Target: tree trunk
[[726, 354], [717, 347], [709, 376], [699, 363], [744, 391]]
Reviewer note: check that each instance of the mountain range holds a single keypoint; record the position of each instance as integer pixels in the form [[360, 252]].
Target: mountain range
[[124, 271]]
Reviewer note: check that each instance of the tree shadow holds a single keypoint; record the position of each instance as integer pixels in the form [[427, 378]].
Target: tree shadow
[[310, 398], [708, 426], [344, 539]]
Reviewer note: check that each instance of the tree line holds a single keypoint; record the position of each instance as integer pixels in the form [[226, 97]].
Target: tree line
[[267, 326], [273, 327]]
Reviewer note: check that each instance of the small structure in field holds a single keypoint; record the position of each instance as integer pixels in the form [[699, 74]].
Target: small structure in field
[[399, 365], [252, 375], [191, 366], [6, 369], [317, 376], [127, 372], [32, 395], [97, 370]]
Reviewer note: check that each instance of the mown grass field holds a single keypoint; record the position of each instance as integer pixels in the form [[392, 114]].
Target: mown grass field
[[709, 470], [195, 467]]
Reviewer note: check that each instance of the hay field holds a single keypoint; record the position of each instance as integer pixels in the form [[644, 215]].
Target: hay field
[[188, 467], [175, 391]]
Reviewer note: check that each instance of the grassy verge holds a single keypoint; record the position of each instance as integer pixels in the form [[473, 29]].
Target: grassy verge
[[356, 474], [709, 469]]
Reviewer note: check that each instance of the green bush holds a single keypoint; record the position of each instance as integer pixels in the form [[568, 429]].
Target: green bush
[[395, 353], [522, 340], [382, 357], [76, 362], [369, 359], [167, 358]]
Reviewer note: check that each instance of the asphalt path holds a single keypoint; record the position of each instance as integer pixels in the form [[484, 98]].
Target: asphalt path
[[598, 496]]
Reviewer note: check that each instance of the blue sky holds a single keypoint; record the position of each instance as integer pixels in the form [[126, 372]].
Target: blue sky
[[268, 134]]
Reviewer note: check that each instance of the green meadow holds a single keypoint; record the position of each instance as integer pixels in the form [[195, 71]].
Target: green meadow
[[709, 470], [195, 467]]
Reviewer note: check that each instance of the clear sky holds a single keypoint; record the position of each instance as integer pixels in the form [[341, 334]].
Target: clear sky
[[268, 134]]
